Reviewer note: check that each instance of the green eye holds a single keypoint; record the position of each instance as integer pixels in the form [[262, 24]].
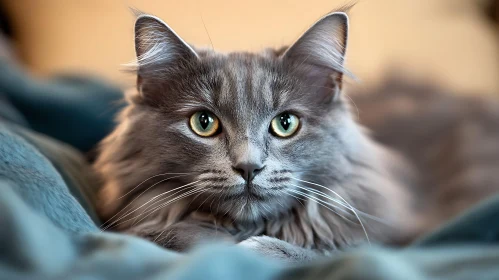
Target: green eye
[[204, 123], [284, 125]]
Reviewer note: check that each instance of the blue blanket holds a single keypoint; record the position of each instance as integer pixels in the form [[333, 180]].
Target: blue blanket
[[48, 229]]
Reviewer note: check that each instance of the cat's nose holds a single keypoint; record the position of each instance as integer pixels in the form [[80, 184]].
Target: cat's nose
[[248, 170]]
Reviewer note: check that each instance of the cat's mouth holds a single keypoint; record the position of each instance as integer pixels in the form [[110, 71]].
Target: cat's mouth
[[249, 191]]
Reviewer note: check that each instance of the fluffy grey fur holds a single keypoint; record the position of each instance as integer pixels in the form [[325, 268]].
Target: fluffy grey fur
[[326, 187]]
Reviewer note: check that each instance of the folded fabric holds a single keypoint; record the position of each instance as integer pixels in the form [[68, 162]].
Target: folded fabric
[[75, 110], [39, 184]]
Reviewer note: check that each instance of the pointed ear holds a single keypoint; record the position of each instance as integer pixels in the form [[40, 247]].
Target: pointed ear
[[323, 47], [158, 47], [323, 44]]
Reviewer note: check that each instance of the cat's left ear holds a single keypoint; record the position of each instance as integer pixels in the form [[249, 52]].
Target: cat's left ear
[[322, 47]]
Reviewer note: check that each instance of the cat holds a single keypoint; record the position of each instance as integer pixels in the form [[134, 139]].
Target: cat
[[264, 150]]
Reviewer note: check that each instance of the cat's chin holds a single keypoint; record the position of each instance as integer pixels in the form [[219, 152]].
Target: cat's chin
[[250, 208]]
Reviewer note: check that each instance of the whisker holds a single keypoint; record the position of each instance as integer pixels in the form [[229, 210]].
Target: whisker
[[192, 200], [224, 197], [158, 236], [115, 223], [166, 236], [151, 211], [155, 203], [136, 209], [323, 203], [297, 198], [215, 220], [356, 108], [189, 193], [201, 204], [242, 208], [207, 33], [323, 194], [308, 172], [349, 205], [330, 204], [226, 212], [361, 213], [184, 174], [130, 203], [299, 201], [278, 201]]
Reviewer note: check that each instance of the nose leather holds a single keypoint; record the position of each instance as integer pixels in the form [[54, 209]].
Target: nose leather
[[248, 170]]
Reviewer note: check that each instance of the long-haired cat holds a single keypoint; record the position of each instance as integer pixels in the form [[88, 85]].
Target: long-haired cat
[[263, 149]]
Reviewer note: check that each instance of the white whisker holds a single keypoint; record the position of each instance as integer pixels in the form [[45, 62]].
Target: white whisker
[[181, 174], [201, 204], [158, 236], [356, 108], [323, 203], [349, 205], [323, 194], [166, 236], [189, 193], [299, 199], [151, 211], [136, 209], [130, 203]]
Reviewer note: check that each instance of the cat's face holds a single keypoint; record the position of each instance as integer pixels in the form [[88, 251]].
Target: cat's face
[[245, 125], [239, 128]]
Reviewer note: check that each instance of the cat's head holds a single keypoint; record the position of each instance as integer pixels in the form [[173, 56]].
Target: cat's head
[[236, 129]]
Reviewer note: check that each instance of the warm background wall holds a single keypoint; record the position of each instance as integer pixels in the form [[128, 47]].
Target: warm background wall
[[449, 41]]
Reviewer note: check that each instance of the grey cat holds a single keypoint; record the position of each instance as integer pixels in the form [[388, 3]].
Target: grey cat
[[262, 149]]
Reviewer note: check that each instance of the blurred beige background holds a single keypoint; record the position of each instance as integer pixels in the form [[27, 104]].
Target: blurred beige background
[[448, 41]]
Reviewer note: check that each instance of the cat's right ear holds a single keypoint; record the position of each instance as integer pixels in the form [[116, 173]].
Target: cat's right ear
[[158, 48]]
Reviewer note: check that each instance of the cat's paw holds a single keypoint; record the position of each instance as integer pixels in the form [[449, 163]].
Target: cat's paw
[[278, 249]]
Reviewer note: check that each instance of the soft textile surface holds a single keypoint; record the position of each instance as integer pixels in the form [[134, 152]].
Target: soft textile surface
[[74, 110], [35, 244], [47, 231]]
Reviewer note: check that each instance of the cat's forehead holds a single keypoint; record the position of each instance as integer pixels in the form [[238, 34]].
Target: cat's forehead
[[249, 83]]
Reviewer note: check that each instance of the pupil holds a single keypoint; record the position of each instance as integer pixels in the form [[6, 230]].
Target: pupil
[[204, 120], [285, 121]]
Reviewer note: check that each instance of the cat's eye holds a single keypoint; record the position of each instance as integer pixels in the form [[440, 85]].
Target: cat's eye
[[204, 124], [284, 125]]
